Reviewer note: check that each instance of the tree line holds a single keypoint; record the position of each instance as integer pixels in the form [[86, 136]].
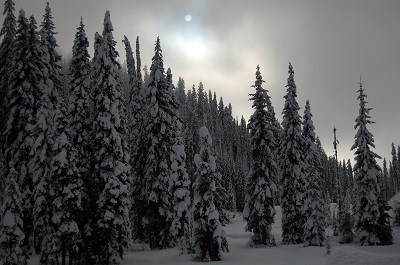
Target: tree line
[[104, 156]]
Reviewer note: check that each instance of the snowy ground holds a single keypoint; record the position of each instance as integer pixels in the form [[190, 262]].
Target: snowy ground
[[280, 255]]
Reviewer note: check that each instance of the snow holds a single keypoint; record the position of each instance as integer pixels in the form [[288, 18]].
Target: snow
[[345, 255], [241, 254], [9, 219]]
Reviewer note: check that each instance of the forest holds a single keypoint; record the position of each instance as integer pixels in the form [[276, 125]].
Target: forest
[[98, 156]]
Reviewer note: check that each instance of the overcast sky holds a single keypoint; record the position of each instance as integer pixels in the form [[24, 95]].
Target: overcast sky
[[329, 43]]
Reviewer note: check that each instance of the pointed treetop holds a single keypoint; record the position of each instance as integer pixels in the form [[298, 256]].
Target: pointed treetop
[[21, 13], [138, 62], [259, 81], [108, 27], [8, 7], [9, 23]]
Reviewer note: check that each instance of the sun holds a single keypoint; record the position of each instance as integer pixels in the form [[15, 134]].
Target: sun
[[188, 18]]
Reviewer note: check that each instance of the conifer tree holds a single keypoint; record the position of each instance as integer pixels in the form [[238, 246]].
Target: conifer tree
[[314, 231], [110, 223], [208, 236], [293, 166], [49, 46], [12, 234], [152, 187], [366, 188], [385, 176], [80, 114], [259, 211], [26, 82], [68, 192], [395, 172], [8, 32], [139, 77], [180, 187]]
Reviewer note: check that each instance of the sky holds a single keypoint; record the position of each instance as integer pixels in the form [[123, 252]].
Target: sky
[[329, 43]]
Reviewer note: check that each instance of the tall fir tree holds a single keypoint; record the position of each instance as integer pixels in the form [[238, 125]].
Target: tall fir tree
[[396, 168], [314, 230], [180, 183], [110, 224], [366, 188], [152, 176], [293, 166], [7, 32], [208, 235], [26, 82], [49, 44], [259, 211], [67, 187]]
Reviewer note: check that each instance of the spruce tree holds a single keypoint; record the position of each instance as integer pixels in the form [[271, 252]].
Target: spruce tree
[[395, 172], [292, 167], [259, 211], [49, 46], [180, 187], [314, 230], [152, 176], [68, 192], [366, 188], [26, 82], [110, 223], [208, 236], [12, 234], [8, 32]]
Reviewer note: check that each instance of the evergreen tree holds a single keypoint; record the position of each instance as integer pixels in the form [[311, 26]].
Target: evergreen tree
[[292, 165], [208, 235], [180, 186], [395, 164], [366, 170], [314, 231], [110, 223], [49, 46], [139, 77], [12, 234], [25, 91], [385, 184], [68, 192], [259, 211], [8, 32], [152, 176]]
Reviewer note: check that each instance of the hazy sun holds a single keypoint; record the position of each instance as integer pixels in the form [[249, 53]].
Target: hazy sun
[[188, 18]]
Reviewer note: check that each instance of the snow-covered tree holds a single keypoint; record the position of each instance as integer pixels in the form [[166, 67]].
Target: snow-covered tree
[[12, 234], [80, 100], [208, 236], [26, 82], [49, 46], [259, 211], [7, 32], [366, 188], [314, 207], [153, 171], [180, 184], [292, 166], [110, 223], [67, 187]]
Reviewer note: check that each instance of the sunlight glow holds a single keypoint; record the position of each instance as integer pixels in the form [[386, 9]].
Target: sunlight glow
[[194, 47]]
